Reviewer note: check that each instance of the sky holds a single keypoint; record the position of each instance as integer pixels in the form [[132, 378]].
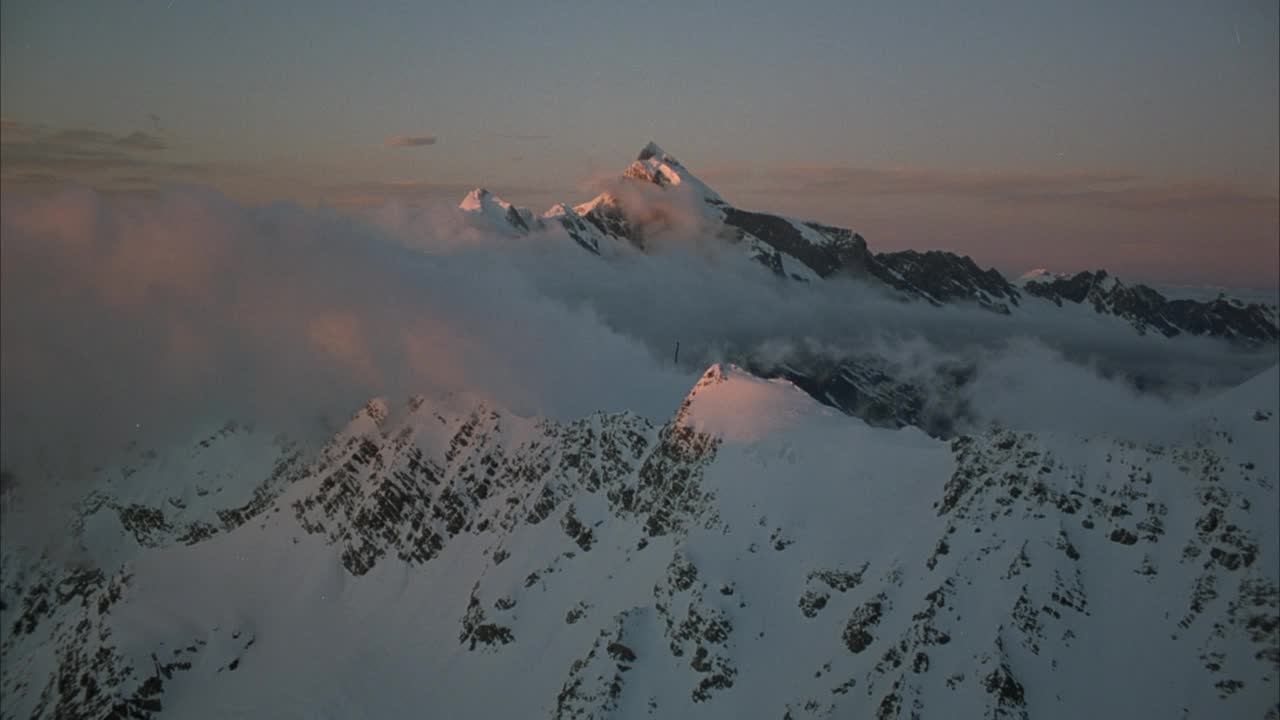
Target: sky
[[1140, 136]]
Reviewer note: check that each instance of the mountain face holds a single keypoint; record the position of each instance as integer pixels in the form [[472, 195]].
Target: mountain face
[[494, 213], [1148, 310], [876, 390], [758, 555]]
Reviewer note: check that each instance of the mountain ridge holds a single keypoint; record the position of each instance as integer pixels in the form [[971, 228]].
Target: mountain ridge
[[808, 251]]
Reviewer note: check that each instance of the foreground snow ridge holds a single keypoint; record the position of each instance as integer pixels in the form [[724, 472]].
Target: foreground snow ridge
[[730, 403], [759, 555]]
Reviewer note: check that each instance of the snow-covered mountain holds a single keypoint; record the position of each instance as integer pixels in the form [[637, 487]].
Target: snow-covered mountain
[[758, 555], [808, 251], [810, 534], [657, 188]]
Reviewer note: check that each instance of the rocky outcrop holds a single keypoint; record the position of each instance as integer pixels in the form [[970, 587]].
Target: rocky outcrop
[[1149, 311]]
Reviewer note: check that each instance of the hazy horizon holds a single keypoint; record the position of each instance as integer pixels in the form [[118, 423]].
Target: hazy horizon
[[684, 416]]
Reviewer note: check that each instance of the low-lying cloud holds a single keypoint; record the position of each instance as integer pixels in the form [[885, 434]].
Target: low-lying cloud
[[146, 319], [137, 316]]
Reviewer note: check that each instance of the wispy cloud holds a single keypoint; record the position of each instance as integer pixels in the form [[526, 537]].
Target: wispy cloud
[[142, 141], [376, 193], [1181, 196], [58, 155], [13, 129], [411, 140], [1107, 190], [31, 179], [81, 136]]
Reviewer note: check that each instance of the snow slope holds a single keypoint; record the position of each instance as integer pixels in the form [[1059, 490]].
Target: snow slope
[[759, 555], [498, 214]]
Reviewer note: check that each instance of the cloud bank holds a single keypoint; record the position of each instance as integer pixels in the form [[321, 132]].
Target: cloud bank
[[148, 318], [37, 157]]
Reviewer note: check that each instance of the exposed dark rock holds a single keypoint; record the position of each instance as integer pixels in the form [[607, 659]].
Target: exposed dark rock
[[943, 277], [1148, 310]]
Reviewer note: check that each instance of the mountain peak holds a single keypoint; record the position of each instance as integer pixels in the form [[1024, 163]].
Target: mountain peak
[[730, 402], [499, 212], [655, 165], [475, 199], [649, 151]]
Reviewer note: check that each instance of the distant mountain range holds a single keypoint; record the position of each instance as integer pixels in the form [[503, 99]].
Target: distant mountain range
[[809, 251], [867, 385]]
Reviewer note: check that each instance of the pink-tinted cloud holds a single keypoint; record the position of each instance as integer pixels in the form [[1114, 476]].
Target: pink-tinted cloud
[[340, 335]]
